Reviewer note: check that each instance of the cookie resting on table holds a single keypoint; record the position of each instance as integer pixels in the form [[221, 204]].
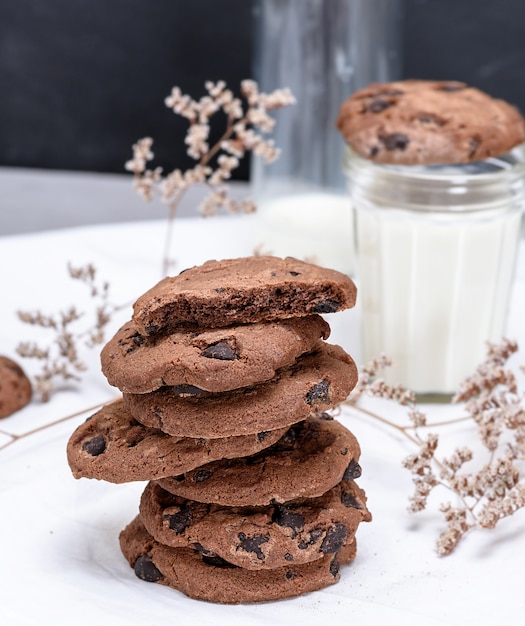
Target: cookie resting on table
[[15, 387], [207, 577], [239, 291], [213, 360], [112, 446], [257, 537], [316, 382], [428, 122], [309, 459]]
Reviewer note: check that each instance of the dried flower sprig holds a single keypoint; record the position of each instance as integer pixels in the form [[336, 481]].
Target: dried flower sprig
[[493, 401], [61, 358], [247, 123]]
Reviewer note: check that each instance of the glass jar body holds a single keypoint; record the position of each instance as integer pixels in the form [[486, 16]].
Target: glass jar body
[[323, 50], [436, 254]]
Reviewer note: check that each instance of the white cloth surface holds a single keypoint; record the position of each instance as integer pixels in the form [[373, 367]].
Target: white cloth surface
[[61, 563]]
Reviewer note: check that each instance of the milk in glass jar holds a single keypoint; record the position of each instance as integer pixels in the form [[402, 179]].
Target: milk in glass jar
[[436, 250]]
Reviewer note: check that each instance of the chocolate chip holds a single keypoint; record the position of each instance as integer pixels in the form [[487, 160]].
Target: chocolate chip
[[220, 350], [373, 150], [378, 105], [251, 544], [151, 329], [178, 522], [315, 535], [288, 557], [219, 289], [473, 146], [334, 567], [187, 391], [325, 306], [290, 575], [325, 416], [334, 539], [353, 471], [215, 560], [318, 393], [431, 118], [396, 141], [282, 516], [262, 436], [95, 446], [136, 340], [348, 500], [294, 273], [146, 570], [210, 556], [202, 475]]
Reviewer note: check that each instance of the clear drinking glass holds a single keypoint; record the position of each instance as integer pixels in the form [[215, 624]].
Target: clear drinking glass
[[436, 250], [323, 50]]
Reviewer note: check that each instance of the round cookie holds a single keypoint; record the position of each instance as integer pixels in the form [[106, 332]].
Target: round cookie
[[206, 577], [213, 360], [15, 387], [311, 458], [257, 537], [315, 383], [112, 446], [428, 122], [239, 291]]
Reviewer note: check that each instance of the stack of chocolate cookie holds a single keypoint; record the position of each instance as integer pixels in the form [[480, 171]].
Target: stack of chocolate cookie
[[226, 380]]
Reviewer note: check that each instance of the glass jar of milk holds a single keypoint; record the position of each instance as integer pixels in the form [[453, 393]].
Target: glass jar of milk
[[322, 50], [436, 252]]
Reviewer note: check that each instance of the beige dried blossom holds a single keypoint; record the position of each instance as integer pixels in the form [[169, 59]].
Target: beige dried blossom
[[61, 360], [244, 132], [493, 403]]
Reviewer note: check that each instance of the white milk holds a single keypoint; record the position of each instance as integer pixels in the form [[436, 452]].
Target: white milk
[[433, 291], [313, 226], [436, 252]]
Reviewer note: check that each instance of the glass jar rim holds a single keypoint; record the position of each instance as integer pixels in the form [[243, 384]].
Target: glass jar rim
[[511, 163], [495, 183]]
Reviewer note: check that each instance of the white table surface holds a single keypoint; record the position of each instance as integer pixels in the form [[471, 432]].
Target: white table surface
[[59, 550]]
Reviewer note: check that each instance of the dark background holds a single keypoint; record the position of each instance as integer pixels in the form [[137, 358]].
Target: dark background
[[81, 80]]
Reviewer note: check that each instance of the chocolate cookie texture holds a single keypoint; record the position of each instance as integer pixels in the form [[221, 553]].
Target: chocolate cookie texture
[[257, 537], [245, 290], [311, 458], [207, 577], [114, 447], [428, 122], [15, 387], [315, 383], [213, 360]]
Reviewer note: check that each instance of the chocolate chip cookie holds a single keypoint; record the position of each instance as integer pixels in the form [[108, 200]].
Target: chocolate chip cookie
[[315, 383], [112, 446], [257, 537], [428, 122], [15, 387], [205, 576], [309, 459], [239, 291], [213, 360]]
